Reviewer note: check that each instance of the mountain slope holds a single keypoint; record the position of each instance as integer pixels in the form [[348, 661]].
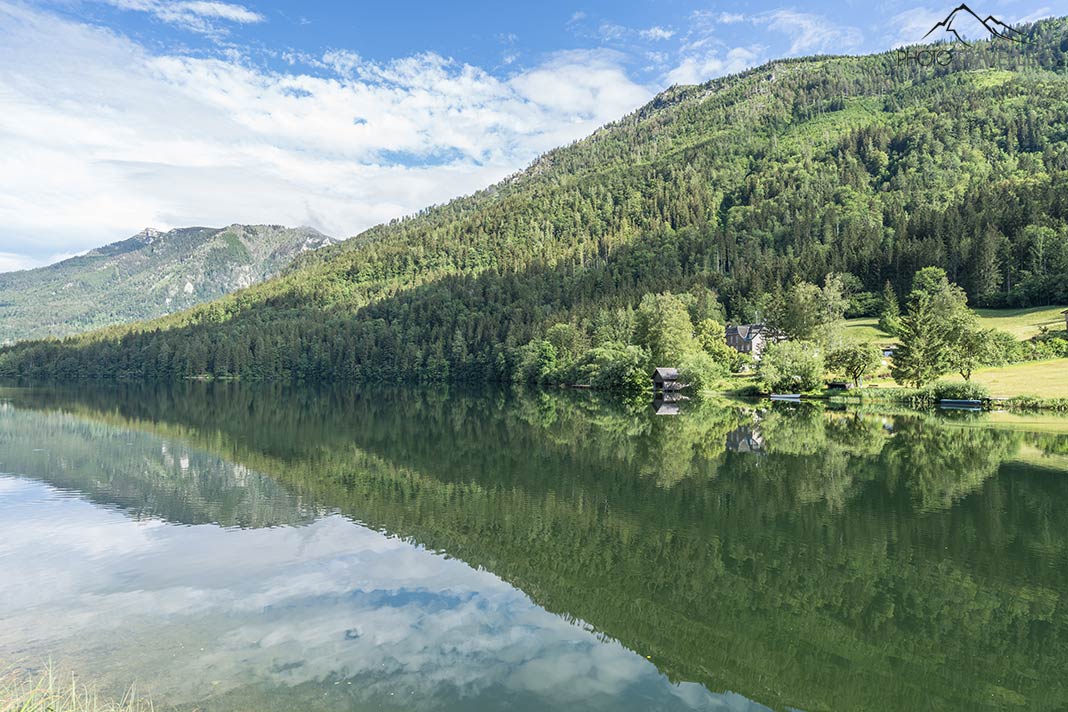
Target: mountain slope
[[862, 165], [145, 276]]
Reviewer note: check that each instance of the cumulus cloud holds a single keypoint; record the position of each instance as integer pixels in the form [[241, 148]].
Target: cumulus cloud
[[703, 54], [100, 137], [696, 69], [657, 33]]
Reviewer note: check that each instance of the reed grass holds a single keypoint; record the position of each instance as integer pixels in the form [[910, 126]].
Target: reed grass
[[50, 691]]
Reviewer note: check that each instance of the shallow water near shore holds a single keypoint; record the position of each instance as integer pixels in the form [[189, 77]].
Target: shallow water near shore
[[229, 547]]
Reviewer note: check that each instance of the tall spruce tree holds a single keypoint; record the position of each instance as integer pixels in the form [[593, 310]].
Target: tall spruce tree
[[923, 352], [890, 317]]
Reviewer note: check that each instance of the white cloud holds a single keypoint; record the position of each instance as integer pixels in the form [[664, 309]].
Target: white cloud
[[580, 82], [220, 10], [657, 33], [700, 68], [1039, 14], [729, 18], [909, 27], [610, 31], [806, 32], [812, 33], [100, 137], [10, 262], [195, 15]]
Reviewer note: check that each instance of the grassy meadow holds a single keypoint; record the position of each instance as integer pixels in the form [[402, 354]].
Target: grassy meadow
[[867, 329], [1045, 379], [1023, 323]]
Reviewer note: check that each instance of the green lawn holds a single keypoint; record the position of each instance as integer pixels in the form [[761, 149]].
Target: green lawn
[[1023, 323], [867, 329], [1045, 379]]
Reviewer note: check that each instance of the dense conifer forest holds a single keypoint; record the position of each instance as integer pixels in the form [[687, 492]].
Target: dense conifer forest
[[867, 167]]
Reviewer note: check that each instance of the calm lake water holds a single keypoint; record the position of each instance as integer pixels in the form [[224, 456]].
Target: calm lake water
[[233, 548]]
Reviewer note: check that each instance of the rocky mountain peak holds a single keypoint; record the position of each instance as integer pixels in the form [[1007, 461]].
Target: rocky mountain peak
[[148, 235]]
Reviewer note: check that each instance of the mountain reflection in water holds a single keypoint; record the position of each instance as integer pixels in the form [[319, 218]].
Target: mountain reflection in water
[[242, 547]]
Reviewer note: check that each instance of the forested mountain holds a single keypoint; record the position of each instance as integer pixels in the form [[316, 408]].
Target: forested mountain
[[864, 166], [148, 275]]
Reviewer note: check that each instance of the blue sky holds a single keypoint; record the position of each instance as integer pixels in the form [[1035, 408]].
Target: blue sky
[[121, 114]]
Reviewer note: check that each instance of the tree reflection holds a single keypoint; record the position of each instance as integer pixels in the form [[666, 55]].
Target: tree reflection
[[839, 560]]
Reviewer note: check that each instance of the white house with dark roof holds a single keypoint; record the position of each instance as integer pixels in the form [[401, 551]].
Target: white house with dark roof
[[749, 339]]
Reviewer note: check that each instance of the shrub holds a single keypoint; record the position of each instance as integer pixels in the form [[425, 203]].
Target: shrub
[[957, 391], [1024, 402], [700, 371], [790, 366], [1004, 348], [616, 367], [1051, 345], [1036, 403], [864, 304]]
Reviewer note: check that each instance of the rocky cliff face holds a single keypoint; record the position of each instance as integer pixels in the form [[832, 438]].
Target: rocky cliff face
[[144, 276]]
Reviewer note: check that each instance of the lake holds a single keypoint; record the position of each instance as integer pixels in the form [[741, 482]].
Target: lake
[[227, 547]]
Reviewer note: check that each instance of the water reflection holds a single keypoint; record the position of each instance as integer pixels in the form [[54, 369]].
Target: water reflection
[[288, 615], [803, 558]]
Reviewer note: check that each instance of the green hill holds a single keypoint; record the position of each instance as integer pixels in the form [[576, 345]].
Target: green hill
[[148, 275], [860, 165]]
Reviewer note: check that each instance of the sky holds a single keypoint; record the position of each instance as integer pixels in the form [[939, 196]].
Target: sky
[[116, 115]]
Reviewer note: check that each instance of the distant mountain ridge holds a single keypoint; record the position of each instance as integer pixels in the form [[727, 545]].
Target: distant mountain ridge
[[150, 274]]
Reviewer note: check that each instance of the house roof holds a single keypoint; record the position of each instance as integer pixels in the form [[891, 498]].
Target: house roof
[[666, 374], [746, 331]]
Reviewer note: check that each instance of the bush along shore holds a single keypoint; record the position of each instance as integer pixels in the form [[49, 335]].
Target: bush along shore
[[941, 391]]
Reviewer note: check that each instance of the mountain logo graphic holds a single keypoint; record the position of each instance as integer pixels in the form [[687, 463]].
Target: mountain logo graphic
[[993, 25]]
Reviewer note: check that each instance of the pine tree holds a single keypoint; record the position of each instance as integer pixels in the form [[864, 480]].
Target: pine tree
[[922, 355], [890, 318]]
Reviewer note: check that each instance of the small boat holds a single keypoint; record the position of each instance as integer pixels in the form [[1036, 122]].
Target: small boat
[[792, 397], [956, 404]]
